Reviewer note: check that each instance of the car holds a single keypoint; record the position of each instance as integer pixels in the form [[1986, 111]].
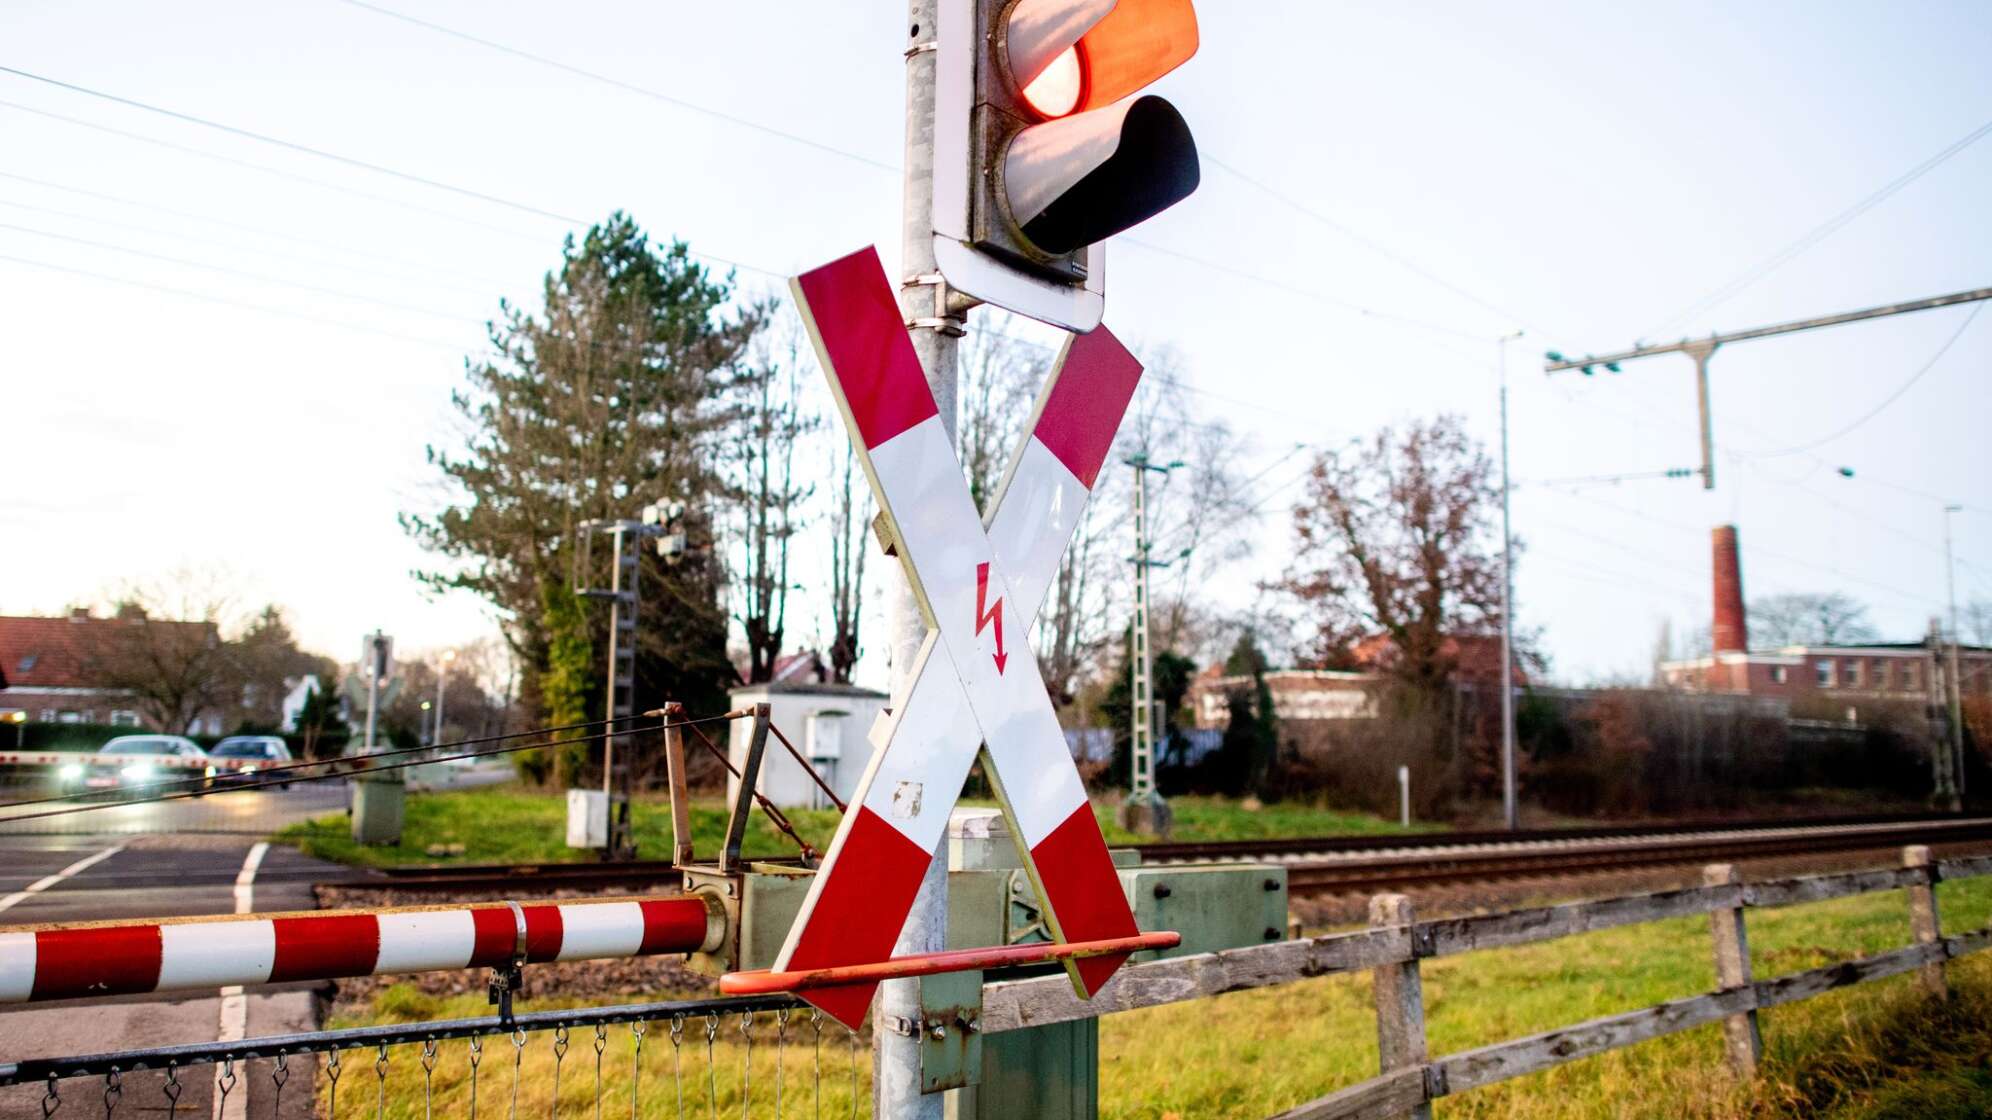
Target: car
[[142, 760], [250, 753]]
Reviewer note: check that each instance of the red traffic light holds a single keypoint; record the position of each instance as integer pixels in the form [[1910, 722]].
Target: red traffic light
[[1071, 56]]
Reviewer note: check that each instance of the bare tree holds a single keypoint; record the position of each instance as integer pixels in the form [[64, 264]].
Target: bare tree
[[1976, 621], [850, 519], [773, 421], [167, 653], [1397, 538], [1809, 619]]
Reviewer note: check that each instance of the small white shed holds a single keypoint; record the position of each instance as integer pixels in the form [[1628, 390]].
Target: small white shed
[[828, 723]]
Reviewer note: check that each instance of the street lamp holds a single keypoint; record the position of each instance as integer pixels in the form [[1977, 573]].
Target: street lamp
[[20, 727]]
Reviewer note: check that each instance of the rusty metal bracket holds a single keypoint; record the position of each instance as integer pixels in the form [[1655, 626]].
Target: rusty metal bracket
[[681, 798], [743, 801]]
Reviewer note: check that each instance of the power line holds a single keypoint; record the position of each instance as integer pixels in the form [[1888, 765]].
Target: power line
[[291, 145], [276, 172], [244, 227], [657, 95], [1821, 232], [259, 277], [1885, 401], [315, 261], [626, 86], [1369, 243], [225, 301], [326, 185]]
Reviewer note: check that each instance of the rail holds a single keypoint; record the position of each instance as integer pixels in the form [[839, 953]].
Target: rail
[[1396, 943]]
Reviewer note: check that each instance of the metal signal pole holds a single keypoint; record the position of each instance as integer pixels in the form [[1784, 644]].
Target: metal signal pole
[[937, 318], [1509, 809], [626, 539], [1145, 810]]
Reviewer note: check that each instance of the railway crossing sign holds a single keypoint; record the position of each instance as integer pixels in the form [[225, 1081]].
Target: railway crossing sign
[[976, 679]]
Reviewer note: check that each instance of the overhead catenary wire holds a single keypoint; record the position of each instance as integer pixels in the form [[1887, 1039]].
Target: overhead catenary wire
[[1819, 233], [1881, 405]]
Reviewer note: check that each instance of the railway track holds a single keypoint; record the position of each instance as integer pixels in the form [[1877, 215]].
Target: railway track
[[1343, 864]]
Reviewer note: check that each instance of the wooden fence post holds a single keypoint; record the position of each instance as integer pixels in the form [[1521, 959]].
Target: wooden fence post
[[1400, 999], [1923, 916], [1742, 1044]]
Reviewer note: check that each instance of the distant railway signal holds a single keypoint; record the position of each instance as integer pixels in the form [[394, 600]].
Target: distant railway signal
[[1045, 146]]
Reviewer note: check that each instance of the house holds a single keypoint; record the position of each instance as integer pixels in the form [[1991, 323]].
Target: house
[[53, 667], [828, 723], [1867, 671], [1305, 695]]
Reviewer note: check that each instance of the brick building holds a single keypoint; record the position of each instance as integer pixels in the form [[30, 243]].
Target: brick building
[[1335, 694], [48, 668], [1902, 671]]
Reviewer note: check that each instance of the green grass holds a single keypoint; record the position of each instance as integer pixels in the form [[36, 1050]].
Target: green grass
[[1875, 1052], [513, 824]]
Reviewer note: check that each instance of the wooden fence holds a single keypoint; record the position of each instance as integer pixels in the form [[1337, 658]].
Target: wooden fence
[[1396, 942]]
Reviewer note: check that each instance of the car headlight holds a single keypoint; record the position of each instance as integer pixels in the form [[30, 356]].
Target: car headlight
[[71, 772], [137, 771], [210, 771]]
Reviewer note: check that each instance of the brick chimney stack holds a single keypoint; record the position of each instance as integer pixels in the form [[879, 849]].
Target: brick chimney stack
[[1730, 634]]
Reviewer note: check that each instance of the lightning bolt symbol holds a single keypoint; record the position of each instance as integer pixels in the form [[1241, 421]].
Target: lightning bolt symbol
[[992, 613]]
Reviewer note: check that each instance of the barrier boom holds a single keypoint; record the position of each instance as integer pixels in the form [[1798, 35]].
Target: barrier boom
[[121, 958]]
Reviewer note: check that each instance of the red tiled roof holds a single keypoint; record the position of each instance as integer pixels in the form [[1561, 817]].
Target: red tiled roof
[[56, 652]]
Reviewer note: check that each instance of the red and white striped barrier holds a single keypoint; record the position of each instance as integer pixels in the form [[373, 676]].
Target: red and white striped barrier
[[120, 958]]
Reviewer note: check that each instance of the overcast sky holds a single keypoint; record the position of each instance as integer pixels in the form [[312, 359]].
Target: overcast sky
[[181, 388]]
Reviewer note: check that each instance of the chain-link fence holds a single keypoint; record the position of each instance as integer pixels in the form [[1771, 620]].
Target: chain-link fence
[[770, 1057]]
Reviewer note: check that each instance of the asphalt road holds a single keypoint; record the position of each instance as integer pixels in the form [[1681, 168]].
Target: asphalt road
[[167, 859]]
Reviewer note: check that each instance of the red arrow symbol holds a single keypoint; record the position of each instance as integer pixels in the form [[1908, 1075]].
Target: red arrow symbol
[[993, 613]]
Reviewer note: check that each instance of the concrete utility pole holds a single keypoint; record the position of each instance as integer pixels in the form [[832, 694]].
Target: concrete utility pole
[[1510, 810], [1956, 680], [1701, 349], [937, 318]]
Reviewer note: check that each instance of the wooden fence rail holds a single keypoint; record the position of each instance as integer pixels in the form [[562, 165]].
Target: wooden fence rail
[[1396, 943]]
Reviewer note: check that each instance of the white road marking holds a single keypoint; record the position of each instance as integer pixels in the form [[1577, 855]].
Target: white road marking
[[235, 1005], [40, 885]]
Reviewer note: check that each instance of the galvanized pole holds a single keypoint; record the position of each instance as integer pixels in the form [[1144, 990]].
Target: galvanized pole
[[1141, 692], [1509, 809], [1701, 352], [937, 319], [1956, 681]]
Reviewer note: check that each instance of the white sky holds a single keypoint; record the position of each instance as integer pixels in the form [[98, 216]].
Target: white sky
[[1582, 171]]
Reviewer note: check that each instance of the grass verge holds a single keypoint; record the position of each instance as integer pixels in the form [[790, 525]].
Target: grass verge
[[1876, 1052], [513, 824]]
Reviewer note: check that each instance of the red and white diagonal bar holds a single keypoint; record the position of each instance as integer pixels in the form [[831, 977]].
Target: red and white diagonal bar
[[860, 898], [120, 958]]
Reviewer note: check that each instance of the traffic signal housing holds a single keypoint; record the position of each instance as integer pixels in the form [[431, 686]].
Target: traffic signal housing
[[1044, 145]]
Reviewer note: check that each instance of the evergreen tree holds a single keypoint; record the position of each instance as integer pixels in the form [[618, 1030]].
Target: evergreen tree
[[615, 394]]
